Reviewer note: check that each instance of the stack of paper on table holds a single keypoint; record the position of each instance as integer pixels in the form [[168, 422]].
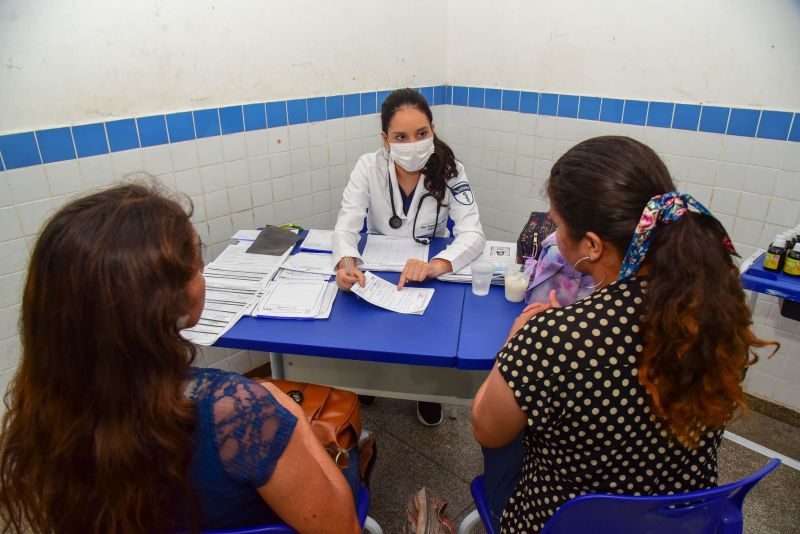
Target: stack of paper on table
[[500, 253], [379, 292], [318, 241], [233, 282], [288, 274], [387, 253], [296, 299], [309, 262]]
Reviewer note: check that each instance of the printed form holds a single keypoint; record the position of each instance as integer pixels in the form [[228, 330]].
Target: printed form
[[318, 241], [379, 292], [233, 282], [386, 253]]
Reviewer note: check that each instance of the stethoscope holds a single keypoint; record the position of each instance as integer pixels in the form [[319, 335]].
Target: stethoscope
[[396, 222]]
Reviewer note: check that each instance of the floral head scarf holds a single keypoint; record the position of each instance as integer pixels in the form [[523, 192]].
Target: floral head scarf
[[662, 209]]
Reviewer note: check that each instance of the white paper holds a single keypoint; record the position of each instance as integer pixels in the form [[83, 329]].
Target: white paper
[[296, 299], [284, 274], [327, 301], [383, 294], [386, 253], [501, 253], [318, 240], [246, 235], [309, 262], [233, 282]]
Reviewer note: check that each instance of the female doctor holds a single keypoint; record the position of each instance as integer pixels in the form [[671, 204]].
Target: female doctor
[[408, 188]]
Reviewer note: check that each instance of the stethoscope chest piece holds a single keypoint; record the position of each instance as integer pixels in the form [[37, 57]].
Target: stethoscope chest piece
[[395, 222]]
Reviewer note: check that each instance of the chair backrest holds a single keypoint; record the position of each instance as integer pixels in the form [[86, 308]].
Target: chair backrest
[[710, 511], [479, 497], [362, 508]]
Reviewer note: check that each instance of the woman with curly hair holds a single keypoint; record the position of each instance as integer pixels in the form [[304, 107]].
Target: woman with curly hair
[[108, 429], [628, 390]]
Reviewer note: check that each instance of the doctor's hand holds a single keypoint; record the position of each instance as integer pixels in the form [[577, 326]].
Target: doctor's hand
[[344, 279], [418, 270], [531, 310]]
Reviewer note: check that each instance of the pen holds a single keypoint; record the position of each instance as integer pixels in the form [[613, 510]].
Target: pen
[[347, 264]]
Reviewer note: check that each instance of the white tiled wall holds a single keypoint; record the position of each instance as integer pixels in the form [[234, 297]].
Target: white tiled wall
[[751, 185], [297, 174], [244, 180]]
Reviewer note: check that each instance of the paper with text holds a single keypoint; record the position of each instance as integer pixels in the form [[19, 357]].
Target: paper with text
[[386, 253], [318, 241], [233, 283], [309, 262], [383, 294], [292, 299]]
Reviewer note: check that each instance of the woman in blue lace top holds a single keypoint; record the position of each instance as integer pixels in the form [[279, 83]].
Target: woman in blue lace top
[[108, 428]]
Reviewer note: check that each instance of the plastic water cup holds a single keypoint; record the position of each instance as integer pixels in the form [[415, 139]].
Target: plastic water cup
[[516, 282], [482, 272]]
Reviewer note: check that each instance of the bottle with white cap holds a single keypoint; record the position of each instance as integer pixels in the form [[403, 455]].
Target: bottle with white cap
[[792, 264], [776, 254]]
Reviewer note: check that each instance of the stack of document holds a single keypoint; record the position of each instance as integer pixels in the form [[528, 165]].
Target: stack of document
[[318, 241], [308, 262], [386, 253], [233, 282], [500, 253], [296, 299], [379, 292]]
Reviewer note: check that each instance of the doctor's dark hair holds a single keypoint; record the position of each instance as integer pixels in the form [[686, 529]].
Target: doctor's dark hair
[[696, 326], [97, 432], [441, 166]]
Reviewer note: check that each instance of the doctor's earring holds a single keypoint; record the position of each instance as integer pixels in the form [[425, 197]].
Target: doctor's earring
[[575, 268]]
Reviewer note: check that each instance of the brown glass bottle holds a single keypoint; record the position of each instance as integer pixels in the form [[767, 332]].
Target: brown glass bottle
[[775, 256], [792, 265]]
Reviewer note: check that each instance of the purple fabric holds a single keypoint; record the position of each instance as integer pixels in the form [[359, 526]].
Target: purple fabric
[[552, 271]]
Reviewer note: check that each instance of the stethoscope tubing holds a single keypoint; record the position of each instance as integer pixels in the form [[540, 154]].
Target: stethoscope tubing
[[395, 221]]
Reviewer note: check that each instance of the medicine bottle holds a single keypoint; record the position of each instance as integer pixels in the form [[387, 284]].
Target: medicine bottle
[[776, 254], [792, 264]]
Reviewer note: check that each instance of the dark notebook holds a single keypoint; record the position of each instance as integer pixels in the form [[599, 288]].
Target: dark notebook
[[273, 241]]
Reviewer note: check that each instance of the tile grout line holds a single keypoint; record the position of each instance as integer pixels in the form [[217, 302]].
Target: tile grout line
[[760, 449], [421, 453]]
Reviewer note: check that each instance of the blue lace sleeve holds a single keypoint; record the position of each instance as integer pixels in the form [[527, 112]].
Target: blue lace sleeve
[[252, 429]]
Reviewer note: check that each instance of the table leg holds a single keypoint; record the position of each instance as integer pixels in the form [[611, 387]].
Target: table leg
[[453, 411], [276, 364]]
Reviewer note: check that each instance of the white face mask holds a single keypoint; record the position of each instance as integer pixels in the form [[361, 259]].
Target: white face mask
[[412, 156]]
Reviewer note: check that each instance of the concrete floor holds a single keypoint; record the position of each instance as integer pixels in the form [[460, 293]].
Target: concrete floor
[[446, 458]]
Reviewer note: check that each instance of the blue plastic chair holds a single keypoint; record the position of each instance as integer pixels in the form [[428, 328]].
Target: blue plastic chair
[[710, 511], [366, 522]]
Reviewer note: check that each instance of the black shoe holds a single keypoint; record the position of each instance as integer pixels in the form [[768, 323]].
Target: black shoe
[[429, 413], [366, 400]]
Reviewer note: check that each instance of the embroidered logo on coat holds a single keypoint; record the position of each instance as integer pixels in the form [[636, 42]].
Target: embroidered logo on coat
[[462, 193]]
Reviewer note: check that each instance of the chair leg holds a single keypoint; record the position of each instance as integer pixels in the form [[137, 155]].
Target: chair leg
[[372, 526], [469, 522]]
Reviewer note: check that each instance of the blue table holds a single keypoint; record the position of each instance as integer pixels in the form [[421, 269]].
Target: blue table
[[442, 355], [758, 279], [358, 330], [485, 323]]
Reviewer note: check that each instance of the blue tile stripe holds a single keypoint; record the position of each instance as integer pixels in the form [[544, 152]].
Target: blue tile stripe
[[87, 140]]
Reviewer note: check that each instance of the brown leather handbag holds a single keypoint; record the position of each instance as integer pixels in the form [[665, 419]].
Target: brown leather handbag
[[334, 415]]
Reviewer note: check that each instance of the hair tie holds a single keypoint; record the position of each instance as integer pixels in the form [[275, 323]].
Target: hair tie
[[662, 209]]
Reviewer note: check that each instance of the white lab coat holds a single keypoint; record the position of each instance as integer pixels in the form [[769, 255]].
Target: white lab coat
[[367, 189]]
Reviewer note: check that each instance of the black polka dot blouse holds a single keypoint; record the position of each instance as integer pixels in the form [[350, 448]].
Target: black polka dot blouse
[[573, 370]]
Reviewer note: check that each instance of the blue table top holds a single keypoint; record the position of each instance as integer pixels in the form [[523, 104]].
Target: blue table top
[[485, 323], [756, 278], [360, 331]]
